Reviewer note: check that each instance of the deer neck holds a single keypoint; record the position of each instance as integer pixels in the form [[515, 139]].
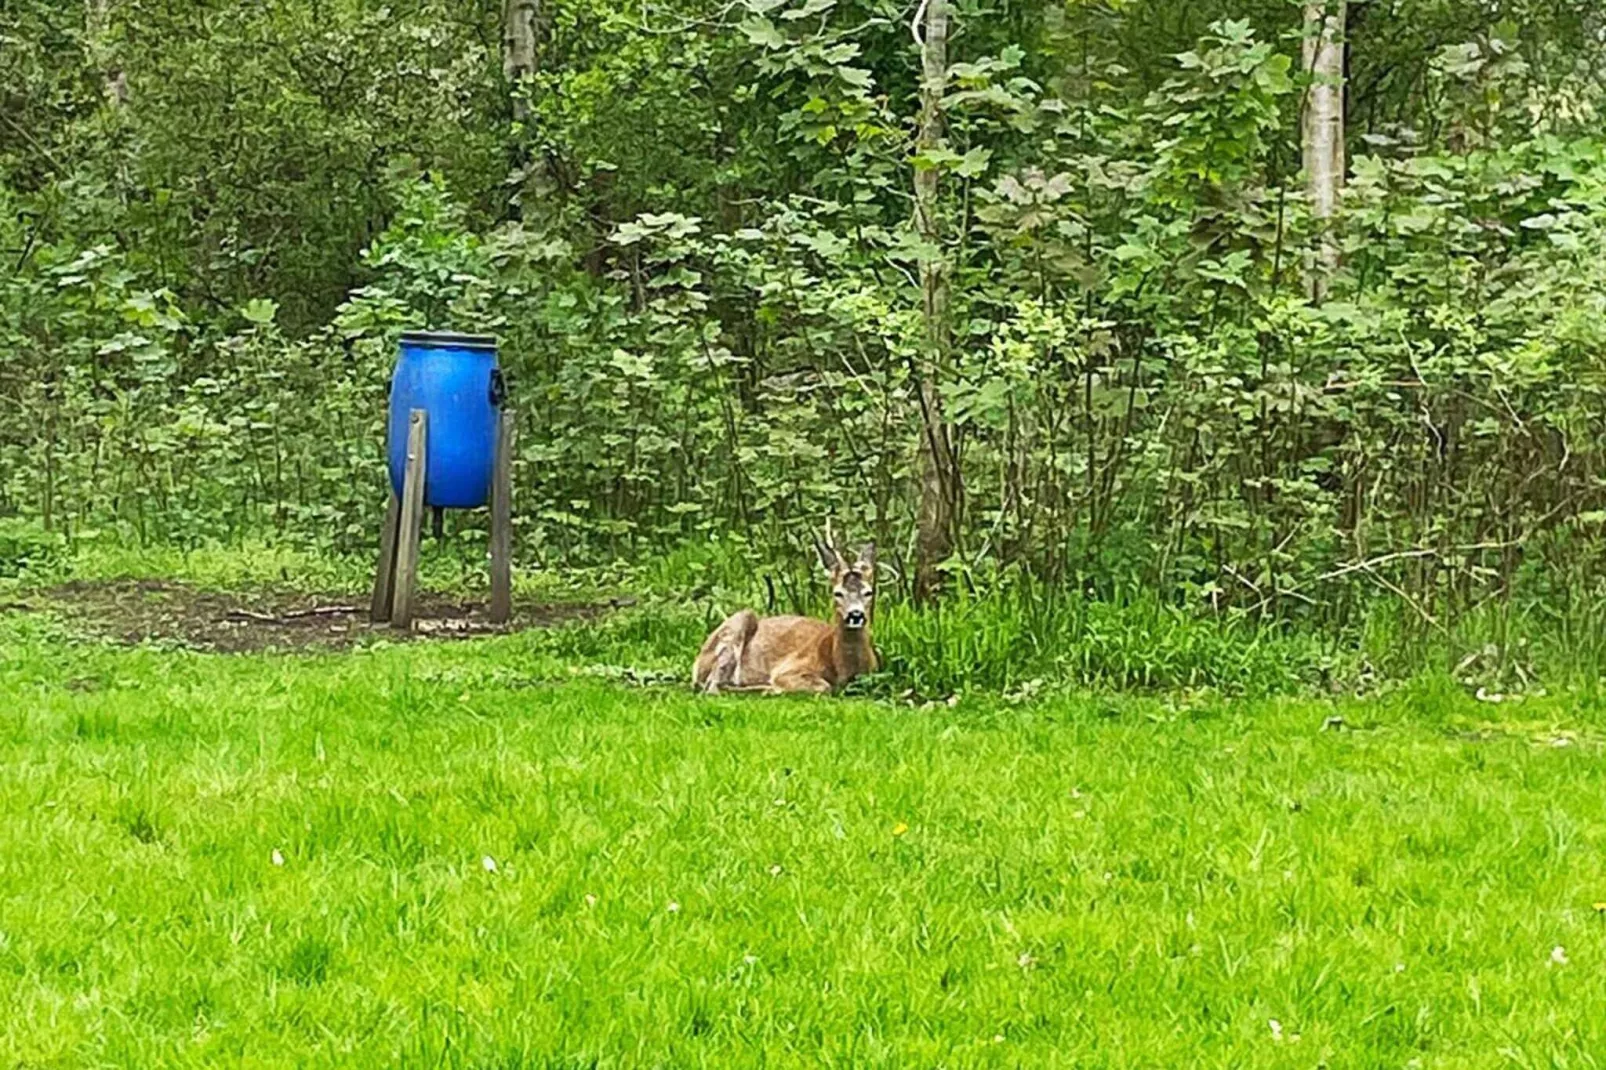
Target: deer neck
[[851, 652]]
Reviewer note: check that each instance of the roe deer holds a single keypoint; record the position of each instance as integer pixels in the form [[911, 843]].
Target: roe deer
[[776, 654]]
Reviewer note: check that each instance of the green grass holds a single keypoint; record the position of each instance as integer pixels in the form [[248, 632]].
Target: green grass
[[676, 881]]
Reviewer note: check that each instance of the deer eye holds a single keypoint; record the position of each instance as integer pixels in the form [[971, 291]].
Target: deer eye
[[869, 592], [840, 593]]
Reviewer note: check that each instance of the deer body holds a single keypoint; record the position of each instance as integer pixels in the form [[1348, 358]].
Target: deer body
[[778, 654]]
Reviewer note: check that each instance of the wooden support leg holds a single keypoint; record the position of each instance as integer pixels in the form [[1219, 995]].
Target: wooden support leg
[[502, 523], [411, 525], [385, 576]]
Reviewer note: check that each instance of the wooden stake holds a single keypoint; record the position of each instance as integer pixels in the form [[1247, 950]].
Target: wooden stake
[[412, 520], [502, 523], [385, 576]]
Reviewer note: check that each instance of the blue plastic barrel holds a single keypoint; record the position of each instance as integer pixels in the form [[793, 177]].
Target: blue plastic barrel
[[454, 378]]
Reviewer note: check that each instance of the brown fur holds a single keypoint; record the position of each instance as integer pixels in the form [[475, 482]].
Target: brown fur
[[779, 654]]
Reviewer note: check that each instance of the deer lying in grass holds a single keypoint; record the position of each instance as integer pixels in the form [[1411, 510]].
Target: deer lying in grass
[[778, 654]]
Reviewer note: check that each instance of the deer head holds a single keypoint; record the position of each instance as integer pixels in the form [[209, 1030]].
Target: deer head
[[852, 585]]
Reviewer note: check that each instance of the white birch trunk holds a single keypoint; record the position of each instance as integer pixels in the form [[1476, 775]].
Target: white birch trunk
[[1323, 133], [97, 21], [519, 29], [938, 470]]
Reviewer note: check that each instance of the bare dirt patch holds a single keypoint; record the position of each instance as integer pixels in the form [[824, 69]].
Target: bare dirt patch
[[138, 611]]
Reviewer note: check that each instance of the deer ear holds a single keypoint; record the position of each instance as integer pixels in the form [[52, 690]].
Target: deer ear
[[867, 555], [830, 560]]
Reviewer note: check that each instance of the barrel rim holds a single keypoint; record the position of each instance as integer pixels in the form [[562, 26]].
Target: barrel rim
[[450, 339]]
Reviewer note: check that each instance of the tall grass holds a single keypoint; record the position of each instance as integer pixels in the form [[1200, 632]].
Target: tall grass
[[1002, 639], [1005, 632], [1010, 632], [1023, 634]]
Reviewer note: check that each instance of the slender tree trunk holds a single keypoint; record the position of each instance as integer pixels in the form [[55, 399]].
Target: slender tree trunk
[[940, 486], [519, 24], [520, 29], [1323, 133], [97, 21]]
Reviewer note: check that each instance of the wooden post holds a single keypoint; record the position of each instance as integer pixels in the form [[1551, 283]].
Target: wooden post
[[411, 521], [502, 523], [385, 577]]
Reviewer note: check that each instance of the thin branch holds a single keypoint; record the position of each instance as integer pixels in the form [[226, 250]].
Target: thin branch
[[716, 23], [914, 24], [239, 615]]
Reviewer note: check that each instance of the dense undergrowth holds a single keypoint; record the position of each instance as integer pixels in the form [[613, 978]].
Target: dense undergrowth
[[715, 330], [1012, 637], [1019, 641]]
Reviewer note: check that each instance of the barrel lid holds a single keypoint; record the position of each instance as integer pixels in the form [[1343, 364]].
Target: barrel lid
[[450, 339]]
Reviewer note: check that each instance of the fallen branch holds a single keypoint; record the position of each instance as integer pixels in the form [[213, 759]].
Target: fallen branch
[[1369, 568], [298, 614]]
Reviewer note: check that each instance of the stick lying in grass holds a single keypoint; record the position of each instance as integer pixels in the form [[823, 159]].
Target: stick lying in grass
[[286, 618]]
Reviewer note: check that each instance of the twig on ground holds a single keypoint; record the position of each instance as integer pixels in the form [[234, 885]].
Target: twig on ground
[[286, 618]]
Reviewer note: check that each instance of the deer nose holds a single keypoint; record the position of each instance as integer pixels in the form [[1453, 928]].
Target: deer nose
[[854, 618]]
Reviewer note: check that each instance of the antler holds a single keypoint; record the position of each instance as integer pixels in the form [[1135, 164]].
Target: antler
[[830, 556]]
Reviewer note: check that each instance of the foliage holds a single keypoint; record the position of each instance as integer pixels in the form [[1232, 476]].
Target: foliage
[[697, 251], [26, 548]]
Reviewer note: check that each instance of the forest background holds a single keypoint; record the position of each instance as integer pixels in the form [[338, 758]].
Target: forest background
[[1281, 315]]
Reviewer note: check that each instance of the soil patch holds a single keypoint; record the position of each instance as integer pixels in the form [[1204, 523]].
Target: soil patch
[[138, 611]]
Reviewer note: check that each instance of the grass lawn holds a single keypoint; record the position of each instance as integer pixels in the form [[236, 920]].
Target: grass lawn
[[464, 854]]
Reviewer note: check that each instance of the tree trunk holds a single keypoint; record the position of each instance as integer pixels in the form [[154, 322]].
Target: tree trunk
[[519, 19], [1323, 133], [97, 21], [940, 486]]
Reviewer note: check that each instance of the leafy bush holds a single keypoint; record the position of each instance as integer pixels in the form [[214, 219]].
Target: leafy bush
[[713, 327], [26, 547]]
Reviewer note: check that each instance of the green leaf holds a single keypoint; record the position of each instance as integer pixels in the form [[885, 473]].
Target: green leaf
[[857, 77], [260, 311], [936, 157], [762, 32], [974, 162], [810, 8]]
